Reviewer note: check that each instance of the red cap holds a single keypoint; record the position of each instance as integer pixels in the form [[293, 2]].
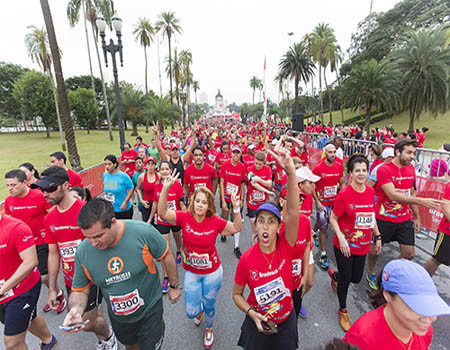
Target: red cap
[[235, 148], [151, 159], [174, 145]]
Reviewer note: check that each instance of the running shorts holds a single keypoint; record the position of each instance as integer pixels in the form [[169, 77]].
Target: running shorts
[[42, 253], [402, 232], [165, 230], [94, 298], [441, 251]]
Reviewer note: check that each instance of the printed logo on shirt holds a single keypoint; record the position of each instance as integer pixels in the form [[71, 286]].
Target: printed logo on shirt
[[54, 228], [254, 275], [115, 265], [26, 238]]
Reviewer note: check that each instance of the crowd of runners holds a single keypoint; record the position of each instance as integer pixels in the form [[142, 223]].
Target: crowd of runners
[[256, 172]]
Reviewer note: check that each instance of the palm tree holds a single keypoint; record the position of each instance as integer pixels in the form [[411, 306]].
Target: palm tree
[[164, 111], [133, 103], [169, 25], [186, 61], [334, 63], [144, 34], [196, 87], [424, 65], [372, 84], [254, 84], [66, 119], [296, 65]]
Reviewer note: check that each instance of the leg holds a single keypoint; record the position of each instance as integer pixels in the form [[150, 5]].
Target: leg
[[178, 239], [192, 294], [441, 253], [15, 342], [431, 266], [253, 227], [38, 327], [210, 289], [132, 347], [372, 259], [406, 252], [167, 238], [323, 240], [344, 266], [358, 267]]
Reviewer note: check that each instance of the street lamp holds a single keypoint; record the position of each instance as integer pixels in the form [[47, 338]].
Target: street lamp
[[112, 49]]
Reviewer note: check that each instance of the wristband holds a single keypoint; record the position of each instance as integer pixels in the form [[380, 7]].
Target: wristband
[[236, 211], [248, 310], [378, 238], [176, 286]]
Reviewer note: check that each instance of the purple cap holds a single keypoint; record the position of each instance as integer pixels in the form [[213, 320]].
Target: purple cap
[[270, 208], [416, 288]]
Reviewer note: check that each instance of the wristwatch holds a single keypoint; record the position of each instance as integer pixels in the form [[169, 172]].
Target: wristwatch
[[176, 286], [378, 238]]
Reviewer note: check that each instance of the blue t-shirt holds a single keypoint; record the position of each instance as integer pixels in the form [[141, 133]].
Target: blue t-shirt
[[135, 181], [116, 187]]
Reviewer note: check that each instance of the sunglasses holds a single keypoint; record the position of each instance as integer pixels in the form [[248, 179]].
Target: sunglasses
[[50, 189]]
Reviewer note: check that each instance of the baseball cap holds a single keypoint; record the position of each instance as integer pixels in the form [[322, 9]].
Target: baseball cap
[[174, 145], [388, 152], [416, 288], [52, 176], [151, 159], [235, 148], [274, 142], [270, 208], [304, 173], [251, 146]]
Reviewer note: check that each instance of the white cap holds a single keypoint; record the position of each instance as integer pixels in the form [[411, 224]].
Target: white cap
[[251, 146], [304, 173], [274, 142], [388, 152]]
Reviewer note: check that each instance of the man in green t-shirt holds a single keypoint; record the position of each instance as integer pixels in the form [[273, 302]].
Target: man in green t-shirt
[[153, 151], [118, 256]]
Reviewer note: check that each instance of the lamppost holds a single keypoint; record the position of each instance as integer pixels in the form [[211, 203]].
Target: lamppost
[[112, 49]]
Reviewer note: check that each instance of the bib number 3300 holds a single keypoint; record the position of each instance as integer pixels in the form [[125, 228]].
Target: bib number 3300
[[123, 305]]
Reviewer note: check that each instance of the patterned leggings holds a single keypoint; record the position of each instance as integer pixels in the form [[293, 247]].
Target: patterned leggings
[[200, 294]]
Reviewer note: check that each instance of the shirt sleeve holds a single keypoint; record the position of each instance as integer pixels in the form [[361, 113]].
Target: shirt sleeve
[[383, 176], [339, 205], [447, 192], [49, 237], [127, 182], [180, 191], [180, 217], [23, 237], [157, 244], [213, 173], [222, 172], [241, 275], [81, 278], [187, 174], [219, 223], [373, 174], [6, 206]]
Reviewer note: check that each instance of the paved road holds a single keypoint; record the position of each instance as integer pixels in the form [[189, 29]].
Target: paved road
[[321, 304]]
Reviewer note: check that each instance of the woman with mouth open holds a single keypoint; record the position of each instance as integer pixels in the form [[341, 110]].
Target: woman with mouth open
[[266, 268]]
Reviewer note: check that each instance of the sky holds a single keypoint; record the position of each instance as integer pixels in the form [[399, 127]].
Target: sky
[[228, 39]]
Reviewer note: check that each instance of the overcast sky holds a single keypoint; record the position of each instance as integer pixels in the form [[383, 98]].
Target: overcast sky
[[228, 39]]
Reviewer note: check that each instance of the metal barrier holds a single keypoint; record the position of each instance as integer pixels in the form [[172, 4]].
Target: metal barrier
[[432, 164]]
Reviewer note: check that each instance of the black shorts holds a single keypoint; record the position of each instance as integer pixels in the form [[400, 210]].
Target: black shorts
[[16, 315], [441, 251], [165, 230], [286, 338], [125, 215], [402, 232], [94, 299], [42, 253], [148, 332], [251, 213]]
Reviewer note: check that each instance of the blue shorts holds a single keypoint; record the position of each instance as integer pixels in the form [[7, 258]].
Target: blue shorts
[[18, 313], [323, 217]]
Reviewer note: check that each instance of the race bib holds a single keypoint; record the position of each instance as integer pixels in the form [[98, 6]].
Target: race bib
[[8, 294], [211, 158], [123, 305], [232, 189], [296, 267], [67, 250], [200, 261], [271, 292], [199, 185], [330, 191], [171, 205], [258, 196], [365, 221], [110, 197]]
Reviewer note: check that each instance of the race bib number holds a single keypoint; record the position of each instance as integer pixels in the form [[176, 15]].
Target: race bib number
[[232, 189], [200, 261], [211, 158], [258, 196], [110, 197], [365, 221], [171, 205], [123, 305], [67, 250], [8, 294], [296, 267], [271, 292], [199, 185], [330, 191]]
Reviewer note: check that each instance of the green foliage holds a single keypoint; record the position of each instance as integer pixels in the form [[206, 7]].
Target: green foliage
[[9, 74], [255, 84], [83, 107], [161, 110]]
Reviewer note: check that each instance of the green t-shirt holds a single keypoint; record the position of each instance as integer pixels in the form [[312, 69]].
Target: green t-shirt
[[153, 151], [126, 272]]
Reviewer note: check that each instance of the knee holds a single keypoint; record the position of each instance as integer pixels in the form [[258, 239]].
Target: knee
[[192, 310], [14, 342], [409, 255]]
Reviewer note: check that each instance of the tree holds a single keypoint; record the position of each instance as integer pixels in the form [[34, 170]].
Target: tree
[[169, 25], [196, 87], [74, 157], [84, 108], [33, 92], [163, 111], [424, 65], [133, 103], [186, 61], [296, 65], [372, 84], [254, 84], [144, 35]]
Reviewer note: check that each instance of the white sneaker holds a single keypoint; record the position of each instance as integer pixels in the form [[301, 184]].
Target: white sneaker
[[110, 344], [208, 339]]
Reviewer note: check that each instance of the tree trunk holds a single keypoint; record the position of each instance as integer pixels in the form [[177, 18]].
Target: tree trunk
[[412, 114], [320, 91], [253, 96], [74, 157], [170, 69], [83, 8], [367, 120], [146, 125], [313, 107], [146, 83], [296, 94], [88, 131], [58, 115], [329, 95], [134, 131], [47, 131], [340, 96], [24, 121]]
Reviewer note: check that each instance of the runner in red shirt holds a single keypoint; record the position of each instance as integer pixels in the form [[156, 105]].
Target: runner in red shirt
[[30, 171], [223, 155], [128, 158], [353, 220], [139, 143], [20, 286], [249, 158], [407, 303], [331, 173], [64, 236], [145, 188], [201, 226], [59, 159], [266, 268]]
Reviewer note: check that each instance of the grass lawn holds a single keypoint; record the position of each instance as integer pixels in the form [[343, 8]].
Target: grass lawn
[[337, 116], [35, 148]]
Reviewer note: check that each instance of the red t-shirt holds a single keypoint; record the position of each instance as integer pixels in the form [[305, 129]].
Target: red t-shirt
[[420, 140], [256, 197], [148, 188], [74, 178], [222, 158], [304, 159], [197, 178], [403, 180], [390, 141], [218, 142], [173, 199], [309, 128], [270, 288], [375, 163], [130, 168], [211, 155], [327, 186], [32, 210], [199, 242], [444, 225], [307, 205], [356, 218], [15, 237], [62, 229], [248, 161], [232, 177], [371, 331]]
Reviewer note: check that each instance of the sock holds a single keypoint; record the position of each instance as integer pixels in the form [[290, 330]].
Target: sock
[[323, 253], [60, 293], [236, 240]]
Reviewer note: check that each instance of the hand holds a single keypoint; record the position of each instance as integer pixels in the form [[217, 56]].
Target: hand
[[145, 204], [431, 203], [155, 129], [74, 317], [123, 206], [235, 201], [319, 206], [174, 294], [170, 180], [283, 158], [52, 299], [378, 246], [345, 249], [224, 205], [257, 318], [417, 224], [302, 286]]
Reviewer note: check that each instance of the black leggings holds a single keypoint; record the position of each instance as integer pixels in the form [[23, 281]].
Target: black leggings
[[349, 270], [146, 212], [297, 298]]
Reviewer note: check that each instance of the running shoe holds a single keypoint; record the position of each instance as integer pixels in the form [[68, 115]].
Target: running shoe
[[302, 312], [198, 319], [372, 280], [62, 302], [165, 285], [316, 240], [344, 319], [237, 252], [178, 258], [223, 238], [323, 262], [109, 344], [46, 308], [331, 273], [50, 345], [208, 339]]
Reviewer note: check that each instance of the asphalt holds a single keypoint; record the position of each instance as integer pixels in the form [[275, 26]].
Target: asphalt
[[321, 304]]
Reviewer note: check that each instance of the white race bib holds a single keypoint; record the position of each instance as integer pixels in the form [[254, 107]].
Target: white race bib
[[365, 221], [8, 294], [258, 196], [67, 250], [199, 185], [200, 261], [232, 189], [110, 197], [123, 305], [330, 191], [296, 267], [171, 205], [271, 292]]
